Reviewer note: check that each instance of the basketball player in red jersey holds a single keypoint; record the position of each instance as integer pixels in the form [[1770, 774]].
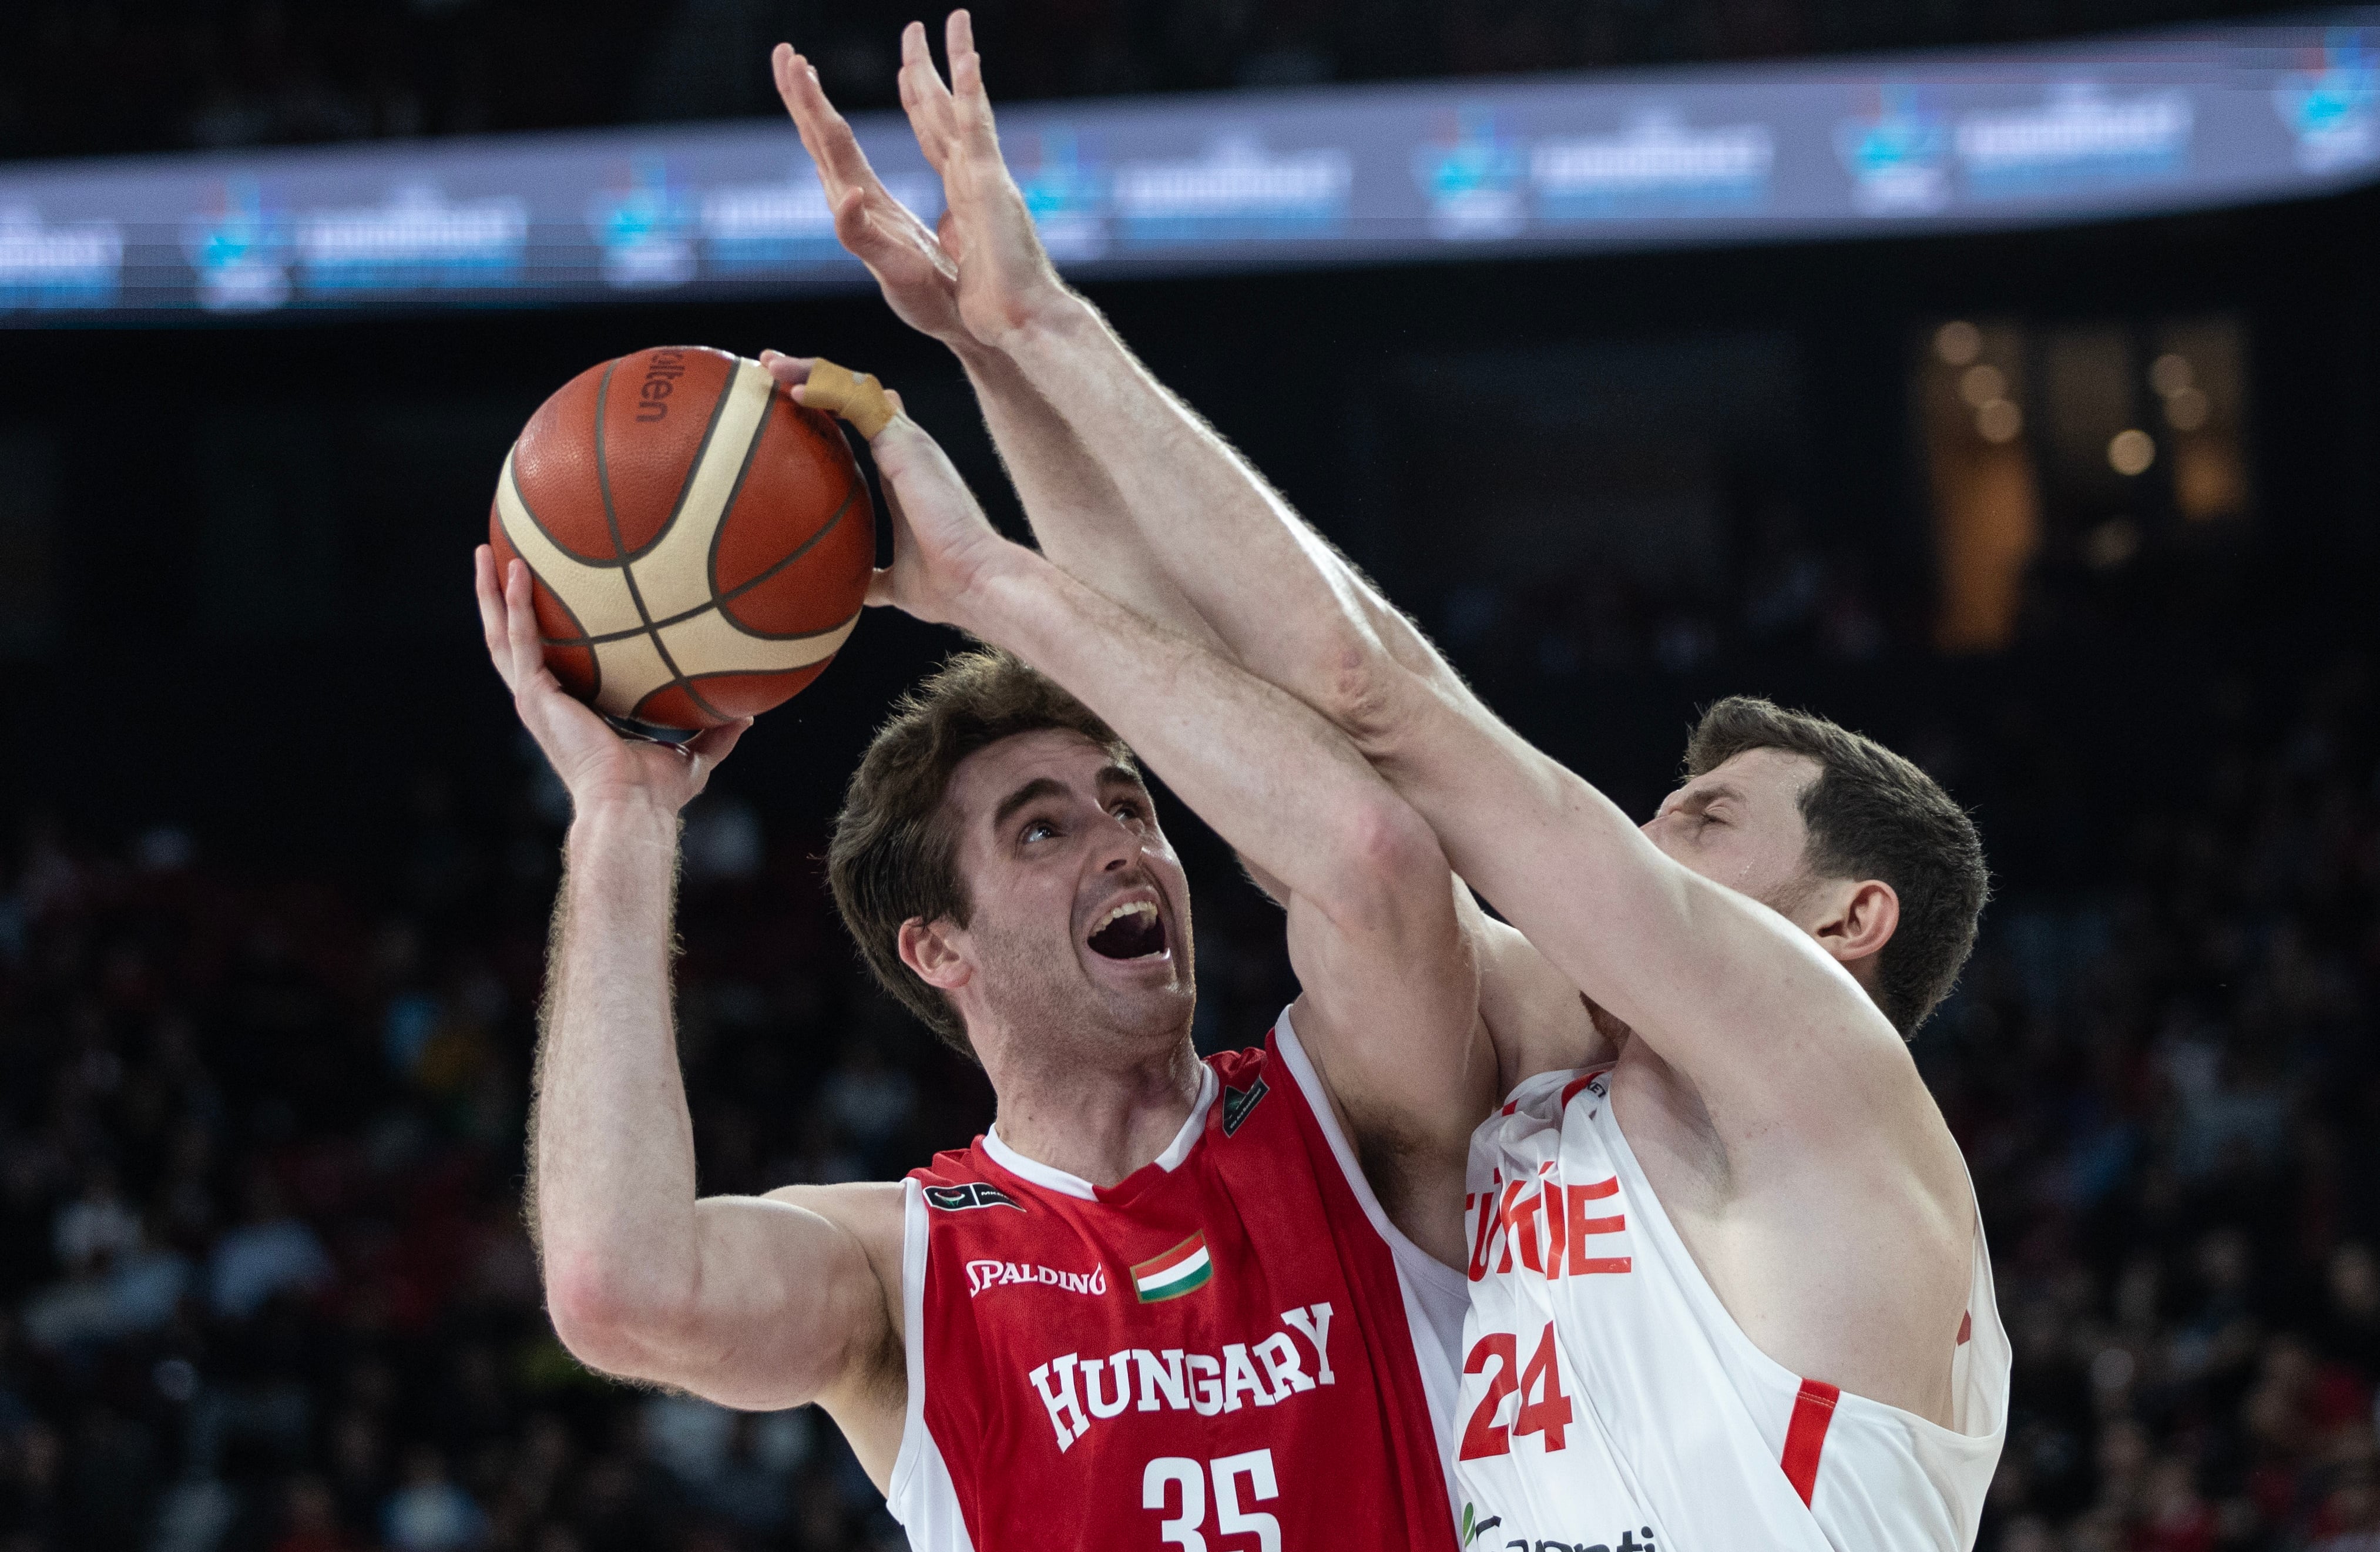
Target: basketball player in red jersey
[[1755, 953], [1158, 1303]]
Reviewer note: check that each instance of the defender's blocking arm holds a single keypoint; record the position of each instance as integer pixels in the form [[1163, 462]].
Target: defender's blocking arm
[[1125, 486], [1291, 609], [1374, 929]]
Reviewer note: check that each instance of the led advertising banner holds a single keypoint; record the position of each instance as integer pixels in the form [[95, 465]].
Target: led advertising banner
[[2133, 125]]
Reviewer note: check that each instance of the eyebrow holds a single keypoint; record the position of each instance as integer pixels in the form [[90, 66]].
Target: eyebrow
[[1702, 798], [1051, 787], [1031, 792]]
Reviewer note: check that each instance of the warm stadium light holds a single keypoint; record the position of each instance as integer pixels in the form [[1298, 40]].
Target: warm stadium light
[[2130, 452], [2186, 409], [1957, 342]]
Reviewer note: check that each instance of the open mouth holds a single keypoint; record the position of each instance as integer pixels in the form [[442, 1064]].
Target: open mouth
[[1132, 930]]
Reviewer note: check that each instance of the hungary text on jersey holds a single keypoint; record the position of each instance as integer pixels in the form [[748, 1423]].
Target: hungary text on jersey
[[1231, 1349]]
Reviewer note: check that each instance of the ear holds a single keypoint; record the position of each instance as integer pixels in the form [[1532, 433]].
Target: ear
[[1863, 919], [935, 950]]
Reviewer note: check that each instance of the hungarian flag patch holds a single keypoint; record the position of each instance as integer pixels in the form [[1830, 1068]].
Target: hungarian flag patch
[[1184, 1269]]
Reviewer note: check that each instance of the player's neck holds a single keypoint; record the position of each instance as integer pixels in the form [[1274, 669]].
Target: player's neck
[[1097, 1121]]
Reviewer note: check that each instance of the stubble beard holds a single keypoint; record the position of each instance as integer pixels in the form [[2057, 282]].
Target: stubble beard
[[1043, 992]]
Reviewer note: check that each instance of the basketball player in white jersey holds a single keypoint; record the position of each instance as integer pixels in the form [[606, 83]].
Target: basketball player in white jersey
[[1730, 1286]]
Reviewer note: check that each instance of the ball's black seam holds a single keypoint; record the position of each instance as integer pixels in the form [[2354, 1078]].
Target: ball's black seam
[[738, 591], [710, 429]]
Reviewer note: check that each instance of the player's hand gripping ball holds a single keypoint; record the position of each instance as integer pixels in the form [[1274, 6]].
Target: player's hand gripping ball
[[700, 544]]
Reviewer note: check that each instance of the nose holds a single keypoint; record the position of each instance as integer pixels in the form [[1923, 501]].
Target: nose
[[1118, 845]]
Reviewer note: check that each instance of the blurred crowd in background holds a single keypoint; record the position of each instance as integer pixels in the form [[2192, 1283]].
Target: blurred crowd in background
[[264, 1286], [147, 75]]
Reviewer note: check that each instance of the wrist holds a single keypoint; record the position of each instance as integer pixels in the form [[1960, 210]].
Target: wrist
[[622, 818], [1054, 321], [1005, 582]]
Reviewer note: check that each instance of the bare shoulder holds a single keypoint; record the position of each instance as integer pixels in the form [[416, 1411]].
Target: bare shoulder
[[1846, 1257], [872, 1211], [869, 1400]]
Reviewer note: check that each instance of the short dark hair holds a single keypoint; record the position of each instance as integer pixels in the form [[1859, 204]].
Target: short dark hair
[[894, 855], [1873, 815]]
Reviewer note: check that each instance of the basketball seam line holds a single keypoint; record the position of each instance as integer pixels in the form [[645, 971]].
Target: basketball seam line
[[727, 507], [513, 467], [718, 413], [628, 572], [594, 658], [718, 600], [759, 429]]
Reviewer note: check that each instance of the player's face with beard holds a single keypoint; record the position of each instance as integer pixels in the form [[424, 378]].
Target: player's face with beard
[[1079, 919]]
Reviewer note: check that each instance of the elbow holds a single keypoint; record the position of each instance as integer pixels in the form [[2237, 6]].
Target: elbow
[[1364, 689], [1378, 675], [605, 1323], [1391, 868]]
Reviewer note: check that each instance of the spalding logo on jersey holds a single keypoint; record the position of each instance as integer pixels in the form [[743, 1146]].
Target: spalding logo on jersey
[[958, 1199], [985, 1273]]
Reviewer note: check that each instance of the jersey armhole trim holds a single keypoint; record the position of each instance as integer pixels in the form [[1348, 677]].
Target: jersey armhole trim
[[1806, 1436], [914, 1445], [1318, 1099], [1989, 1338]]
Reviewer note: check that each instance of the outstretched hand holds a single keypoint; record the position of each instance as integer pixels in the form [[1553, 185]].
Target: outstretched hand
[[982, 275], [596, 765], [917, 276]]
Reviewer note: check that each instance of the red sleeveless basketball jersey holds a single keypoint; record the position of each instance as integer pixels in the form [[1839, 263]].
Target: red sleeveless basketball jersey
[[1231, 1351]]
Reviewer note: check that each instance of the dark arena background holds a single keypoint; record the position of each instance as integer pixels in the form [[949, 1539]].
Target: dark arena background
[[2082, 511]]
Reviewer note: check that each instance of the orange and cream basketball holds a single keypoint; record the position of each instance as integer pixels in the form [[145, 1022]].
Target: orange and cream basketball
[[700, 544]]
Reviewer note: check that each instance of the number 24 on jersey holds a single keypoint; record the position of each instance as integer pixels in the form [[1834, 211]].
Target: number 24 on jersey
[[1545, 1408]]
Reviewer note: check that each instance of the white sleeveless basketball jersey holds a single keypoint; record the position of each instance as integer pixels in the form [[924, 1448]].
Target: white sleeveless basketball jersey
[[1610, 1400]]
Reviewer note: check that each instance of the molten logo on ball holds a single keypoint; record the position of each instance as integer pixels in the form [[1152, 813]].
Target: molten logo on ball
[[663, 369], [695, 567]]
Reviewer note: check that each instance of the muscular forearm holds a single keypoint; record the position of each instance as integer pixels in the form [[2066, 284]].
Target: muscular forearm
[[613, 1151], [1189, 512], [1076, 511], [1285, 788]]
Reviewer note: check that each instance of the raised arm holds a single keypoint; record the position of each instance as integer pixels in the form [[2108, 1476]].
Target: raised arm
[[752, 1302], [1389, 1012], [1126, 487], [1287, 606], [1780, 1039], [1073, 505]]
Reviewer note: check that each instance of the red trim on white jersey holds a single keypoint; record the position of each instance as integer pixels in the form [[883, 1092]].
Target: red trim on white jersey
[[1806, 1436]]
